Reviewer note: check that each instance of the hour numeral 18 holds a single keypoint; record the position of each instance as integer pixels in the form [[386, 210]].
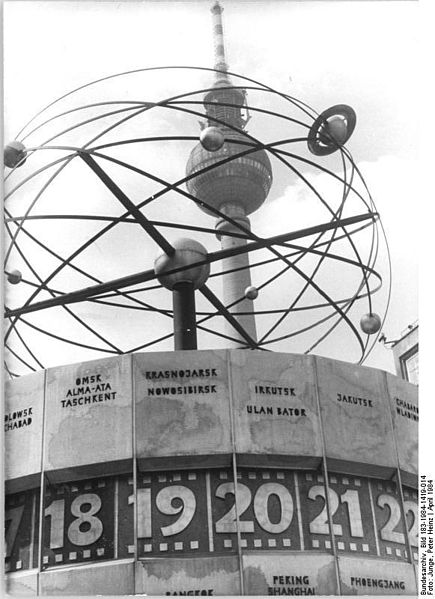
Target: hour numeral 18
[[93, 527]]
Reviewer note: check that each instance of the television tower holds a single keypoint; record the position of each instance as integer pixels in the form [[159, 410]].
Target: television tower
[[236, 188]]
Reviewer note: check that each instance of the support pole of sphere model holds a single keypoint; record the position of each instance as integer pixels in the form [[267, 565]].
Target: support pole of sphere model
[[183, 302], [183, 284]]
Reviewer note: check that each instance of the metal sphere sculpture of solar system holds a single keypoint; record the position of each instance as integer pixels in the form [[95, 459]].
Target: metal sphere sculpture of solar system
[[101, 222]]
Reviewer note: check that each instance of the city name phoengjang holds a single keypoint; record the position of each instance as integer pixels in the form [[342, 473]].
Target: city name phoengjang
[[153, 375], [381, 583]]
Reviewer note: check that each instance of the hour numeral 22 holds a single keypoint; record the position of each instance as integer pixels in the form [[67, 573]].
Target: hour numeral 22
[[387, 531]]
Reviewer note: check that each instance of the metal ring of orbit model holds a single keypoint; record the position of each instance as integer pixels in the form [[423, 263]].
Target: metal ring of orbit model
[[304, 308]]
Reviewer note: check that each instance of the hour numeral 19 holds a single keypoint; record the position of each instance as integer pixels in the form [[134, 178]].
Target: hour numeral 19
[[165, 504]]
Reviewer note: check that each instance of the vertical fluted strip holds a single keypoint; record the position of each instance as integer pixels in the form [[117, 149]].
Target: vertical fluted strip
[[235, 282], [218, 37]]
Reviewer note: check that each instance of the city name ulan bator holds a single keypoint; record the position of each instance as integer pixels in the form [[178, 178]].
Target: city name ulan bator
[[275, 410]]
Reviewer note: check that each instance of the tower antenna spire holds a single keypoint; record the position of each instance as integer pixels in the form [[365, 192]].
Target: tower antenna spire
[[220, 63]]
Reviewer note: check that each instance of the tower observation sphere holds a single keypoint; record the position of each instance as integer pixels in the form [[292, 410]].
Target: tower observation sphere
[[243, 181]]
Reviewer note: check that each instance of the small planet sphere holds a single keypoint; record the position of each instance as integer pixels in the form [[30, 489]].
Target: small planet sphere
[[370, 323], [14, 277], [337, 128], [251, 292], [212, 139], [14, 154]]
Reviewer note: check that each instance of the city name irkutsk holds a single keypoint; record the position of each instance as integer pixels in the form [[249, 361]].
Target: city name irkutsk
[[358, 401], [269, 390]]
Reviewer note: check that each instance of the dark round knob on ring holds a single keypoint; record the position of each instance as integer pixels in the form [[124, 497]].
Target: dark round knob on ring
[[370, 323], [212, 139], [14, 277], [14, 154]]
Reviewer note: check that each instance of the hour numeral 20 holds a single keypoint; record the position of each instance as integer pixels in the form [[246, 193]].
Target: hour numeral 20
[[228, 522]]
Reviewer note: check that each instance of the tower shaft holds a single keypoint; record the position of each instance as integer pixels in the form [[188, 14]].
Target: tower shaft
[[236, 188], [239, 277]]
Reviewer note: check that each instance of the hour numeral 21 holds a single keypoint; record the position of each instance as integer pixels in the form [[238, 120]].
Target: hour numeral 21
[[350, 498]]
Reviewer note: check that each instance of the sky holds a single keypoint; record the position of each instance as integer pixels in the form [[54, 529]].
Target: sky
[[363, 54]]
